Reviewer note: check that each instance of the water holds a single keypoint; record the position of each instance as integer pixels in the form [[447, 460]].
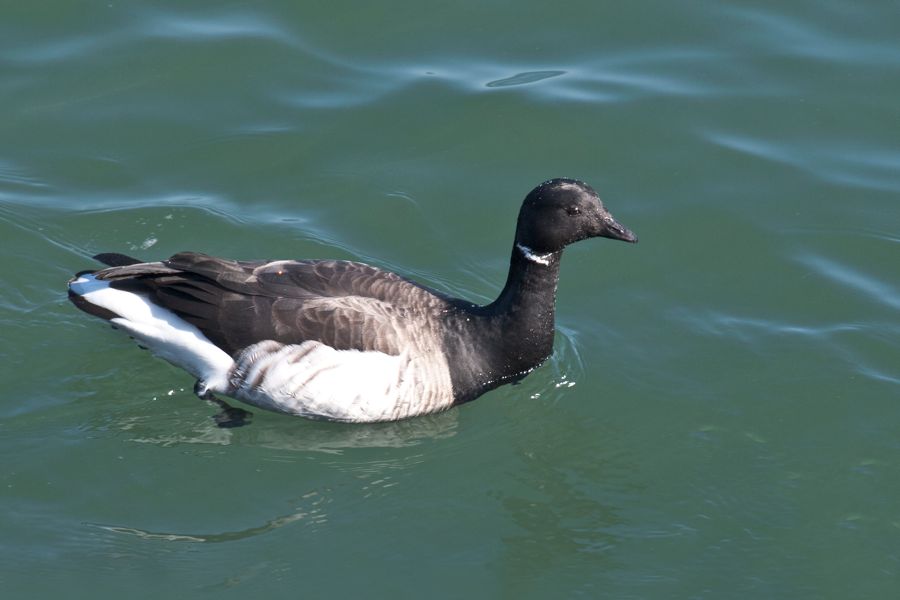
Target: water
[[721, 417]]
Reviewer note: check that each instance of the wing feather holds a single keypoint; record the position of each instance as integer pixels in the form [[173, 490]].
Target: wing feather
[[346, 305]]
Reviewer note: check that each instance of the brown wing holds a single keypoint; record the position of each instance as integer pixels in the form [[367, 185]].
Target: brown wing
[[346, 305]]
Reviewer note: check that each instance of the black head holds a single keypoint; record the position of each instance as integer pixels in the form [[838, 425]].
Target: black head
[[560, 212]]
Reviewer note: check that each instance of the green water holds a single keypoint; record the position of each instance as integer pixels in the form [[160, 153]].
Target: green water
[[721, 418]]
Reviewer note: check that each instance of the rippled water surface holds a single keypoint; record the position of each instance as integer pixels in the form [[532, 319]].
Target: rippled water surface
[[721, 418]]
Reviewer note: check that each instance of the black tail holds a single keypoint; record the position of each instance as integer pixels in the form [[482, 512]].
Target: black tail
[[114, 259]]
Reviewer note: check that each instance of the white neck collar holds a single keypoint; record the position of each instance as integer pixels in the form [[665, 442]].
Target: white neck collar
[[541, 259]]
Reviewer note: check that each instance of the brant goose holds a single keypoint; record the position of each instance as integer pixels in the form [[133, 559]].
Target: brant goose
[[341, 340]]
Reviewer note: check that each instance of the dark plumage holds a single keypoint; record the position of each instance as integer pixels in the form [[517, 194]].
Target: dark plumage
[[446, 350]]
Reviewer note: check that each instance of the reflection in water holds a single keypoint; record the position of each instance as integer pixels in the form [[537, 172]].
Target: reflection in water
[[311, 511], [566, 517], [349, 483], [300, 435]]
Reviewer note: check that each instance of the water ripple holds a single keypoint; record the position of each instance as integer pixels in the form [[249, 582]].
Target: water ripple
[[524, 78], [170, 24], [17, 179], [841, 162], [146, 24], [876, 290], [588, 80], [782, 33], [730, 324]]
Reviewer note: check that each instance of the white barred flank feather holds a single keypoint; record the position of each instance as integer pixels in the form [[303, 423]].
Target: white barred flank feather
[[315, 380]]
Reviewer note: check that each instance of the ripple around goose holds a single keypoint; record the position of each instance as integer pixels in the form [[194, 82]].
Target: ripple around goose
[[343, 340]]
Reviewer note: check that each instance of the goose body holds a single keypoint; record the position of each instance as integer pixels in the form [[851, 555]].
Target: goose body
[[342, 340]]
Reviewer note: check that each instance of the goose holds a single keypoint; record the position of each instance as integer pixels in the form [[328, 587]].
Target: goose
[[341, 340]]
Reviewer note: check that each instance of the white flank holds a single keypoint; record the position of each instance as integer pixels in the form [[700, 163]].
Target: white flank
[[315, 380], [160, 330], [541, 259]]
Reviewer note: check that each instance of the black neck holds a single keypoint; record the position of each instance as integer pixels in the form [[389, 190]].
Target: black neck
[[509, 337], [521, 319], [527, 304]]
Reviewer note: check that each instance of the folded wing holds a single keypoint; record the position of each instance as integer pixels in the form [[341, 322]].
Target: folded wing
[[346, 305]]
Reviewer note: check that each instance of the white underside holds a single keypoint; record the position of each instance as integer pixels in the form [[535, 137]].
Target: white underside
[[309, 379], [315, 380]]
